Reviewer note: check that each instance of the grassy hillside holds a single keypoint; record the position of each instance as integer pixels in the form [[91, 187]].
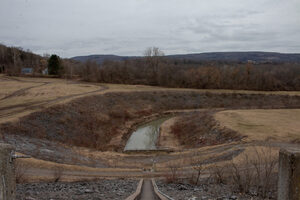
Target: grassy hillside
[[263, 125], [103, 121]]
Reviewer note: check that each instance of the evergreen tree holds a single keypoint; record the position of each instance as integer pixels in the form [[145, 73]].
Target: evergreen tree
[[54, 65]]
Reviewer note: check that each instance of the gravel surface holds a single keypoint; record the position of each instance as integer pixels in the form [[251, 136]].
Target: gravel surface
[[181, 191], [96, 190]]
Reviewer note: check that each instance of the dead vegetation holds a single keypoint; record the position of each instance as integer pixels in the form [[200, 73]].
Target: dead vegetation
[[201, 129], [253, 173], [21, 169], [199, 167], [217, 173], [172, 176], [260, 124], [94, 120]]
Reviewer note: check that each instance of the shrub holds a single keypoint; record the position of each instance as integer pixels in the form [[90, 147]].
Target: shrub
[[173, 173], [20, 170], [255, 172], [217, 173]]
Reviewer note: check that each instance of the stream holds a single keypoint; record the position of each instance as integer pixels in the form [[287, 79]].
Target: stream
[[145, 136]]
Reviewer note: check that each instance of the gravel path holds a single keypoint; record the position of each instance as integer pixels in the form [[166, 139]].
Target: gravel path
[[96, 190]]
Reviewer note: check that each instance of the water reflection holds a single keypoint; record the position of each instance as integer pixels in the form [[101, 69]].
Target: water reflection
[[145, 137]]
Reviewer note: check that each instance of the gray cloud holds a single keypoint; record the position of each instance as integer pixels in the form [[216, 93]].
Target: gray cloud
[[76, 27]]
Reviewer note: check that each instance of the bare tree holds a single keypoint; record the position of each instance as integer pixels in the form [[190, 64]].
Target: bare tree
[[153, 52], [153, 58], [198, 167], [173, 167]]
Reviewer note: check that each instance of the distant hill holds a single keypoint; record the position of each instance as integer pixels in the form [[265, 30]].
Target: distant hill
[[101, 58], [240, 57], [213, 56]]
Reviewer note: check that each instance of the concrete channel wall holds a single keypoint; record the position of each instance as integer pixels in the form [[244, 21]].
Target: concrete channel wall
[[7, 173], [289, 174], [136, 195]]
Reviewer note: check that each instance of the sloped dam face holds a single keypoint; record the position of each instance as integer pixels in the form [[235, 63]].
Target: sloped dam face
[[145, 136]]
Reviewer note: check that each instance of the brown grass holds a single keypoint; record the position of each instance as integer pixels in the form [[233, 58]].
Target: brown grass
[[276, 125], [21, 169], [20, 96], [32, 94], [93, 121]]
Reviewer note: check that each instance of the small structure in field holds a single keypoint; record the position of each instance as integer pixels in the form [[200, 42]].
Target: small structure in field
[[26, 71], [45, 71]]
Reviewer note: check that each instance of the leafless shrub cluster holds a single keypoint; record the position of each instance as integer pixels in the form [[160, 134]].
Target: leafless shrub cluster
[[173, 173], [201, 129], [218, 174], [198, 167], [242, 176], [20, 170], [265, 165], [253, 173]]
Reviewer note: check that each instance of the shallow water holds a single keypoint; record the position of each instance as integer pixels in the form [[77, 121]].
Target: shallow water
[[145, 136]]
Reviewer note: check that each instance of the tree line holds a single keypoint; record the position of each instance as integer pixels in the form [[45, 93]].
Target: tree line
[[13, 59], [156, 70]]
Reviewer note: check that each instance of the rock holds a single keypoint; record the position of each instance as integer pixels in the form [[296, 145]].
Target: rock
[[30, 198], [233, 197], [197, 189], [182, 187], [88, 191]]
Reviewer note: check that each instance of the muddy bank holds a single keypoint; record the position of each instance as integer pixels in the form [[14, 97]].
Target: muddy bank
[[167, 139], [199, 129]]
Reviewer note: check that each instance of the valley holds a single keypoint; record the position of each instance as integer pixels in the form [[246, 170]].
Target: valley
[[77, 131]]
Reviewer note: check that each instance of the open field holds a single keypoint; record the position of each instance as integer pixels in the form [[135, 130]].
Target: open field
[[20, 96], [263, 125]]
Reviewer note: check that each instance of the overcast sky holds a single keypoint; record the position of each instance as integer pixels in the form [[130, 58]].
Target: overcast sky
[[127, 27]]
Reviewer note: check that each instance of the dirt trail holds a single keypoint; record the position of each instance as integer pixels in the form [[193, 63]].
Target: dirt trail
[[23, 90], [11, 110]]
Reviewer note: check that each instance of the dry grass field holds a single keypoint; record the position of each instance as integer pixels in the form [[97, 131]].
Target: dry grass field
[[281, 125], [20, 96]]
